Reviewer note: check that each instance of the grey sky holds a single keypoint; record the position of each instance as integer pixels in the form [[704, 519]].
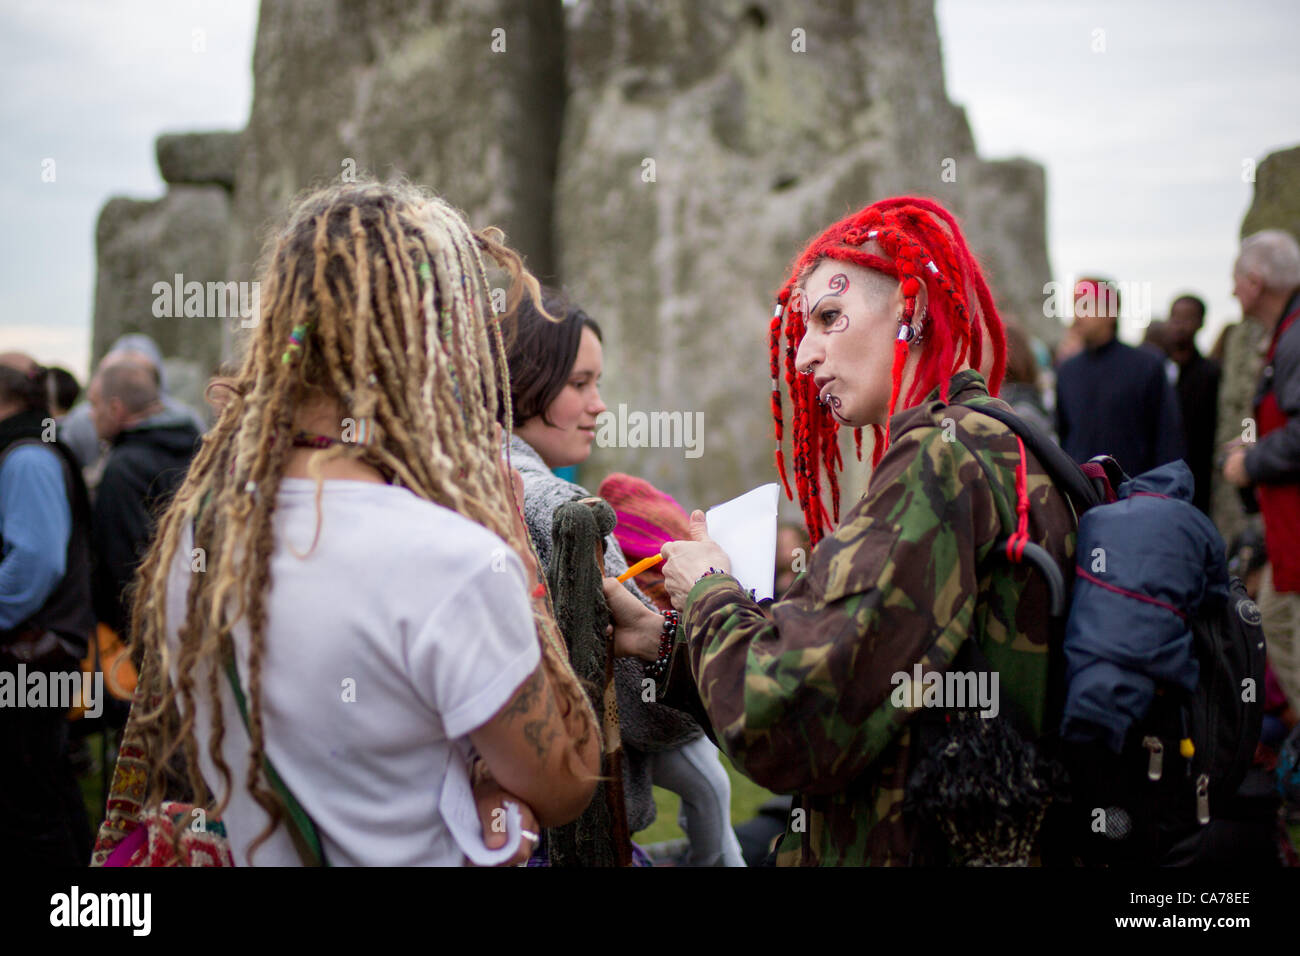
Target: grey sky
[[90, 84], [1143, 143]]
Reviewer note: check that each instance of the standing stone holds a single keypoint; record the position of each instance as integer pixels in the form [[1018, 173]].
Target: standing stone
[[198, 158], [1244, 344], [463, 96], [1276, 204], [140, 244], [702, 149]]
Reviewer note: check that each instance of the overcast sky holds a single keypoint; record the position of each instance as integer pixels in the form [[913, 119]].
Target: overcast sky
[[91, 84], [1143, 129], [1144, 142]]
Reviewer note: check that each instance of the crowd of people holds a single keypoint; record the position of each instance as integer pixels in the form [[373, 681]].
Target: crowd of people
[[354, 591]]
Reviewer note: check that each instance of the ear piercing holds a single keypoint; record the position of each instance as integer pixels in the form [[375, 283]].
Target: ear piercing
[[913, 335]]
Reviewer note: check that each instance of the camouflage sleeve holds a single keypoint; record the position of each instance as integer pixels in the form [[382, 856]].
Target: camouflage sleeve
[[800, 697]]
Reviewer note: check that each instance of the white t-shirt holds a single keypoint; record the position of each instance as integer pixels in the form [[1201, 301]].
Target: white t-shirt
[[407, 627]]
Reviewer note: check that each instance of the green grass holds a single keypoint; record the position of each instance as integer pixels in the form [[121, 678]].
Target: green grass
[[746, 798], [92, 790]]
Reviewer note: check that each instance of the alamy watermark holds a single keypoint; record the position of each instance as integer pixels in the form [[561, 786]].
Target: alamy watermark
[[637, 429], [210, 300], [61, 690], [1065, 300], [950, 689], [75, 908]]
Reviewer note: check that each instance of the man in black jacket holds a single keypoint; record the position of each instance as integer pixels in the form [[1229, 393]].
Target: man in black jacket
[[1198, 391], [1113, 399], [150, 451]]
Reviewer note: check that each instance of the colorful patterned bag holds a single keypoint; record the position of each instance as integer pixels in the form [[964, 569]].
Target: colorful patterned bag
[[133, 836]]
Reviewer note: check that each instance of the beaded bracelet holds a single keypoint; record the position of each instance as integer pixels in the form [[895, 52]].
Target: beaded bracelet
[[708, 572], [659, 668], [750, 592]]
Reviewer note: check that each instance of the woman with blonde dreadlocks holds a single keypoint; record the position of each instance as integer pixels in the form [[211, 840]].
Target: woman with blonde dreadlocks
[[888, 323], [348, 540]]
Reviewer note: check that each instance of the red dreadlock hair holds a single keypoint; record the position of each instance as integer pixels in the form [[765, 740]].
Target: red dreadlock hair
[[925, 248]]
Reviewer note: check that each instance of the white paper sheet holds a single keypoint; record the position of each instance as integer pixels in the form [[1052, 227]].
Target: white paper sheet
[[460, 813], [745, 528]]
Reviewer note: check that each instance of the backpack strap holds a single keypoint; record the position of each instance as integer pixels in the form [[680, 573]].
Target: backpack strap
[[1016, 546], [306, 839], [1084, 486], [1082, 493]]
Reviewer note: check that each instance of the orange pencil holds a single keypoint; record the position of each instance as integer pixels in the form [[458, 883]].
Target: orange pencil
[[645, 564]]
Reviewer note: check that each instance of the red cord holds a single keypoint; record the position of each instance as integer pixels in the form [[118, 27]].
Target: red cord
[[1016, 543]]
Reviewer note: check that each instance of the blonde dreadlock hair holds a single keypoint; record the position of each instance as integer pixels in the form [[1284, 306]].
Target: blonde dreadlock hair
[[374, 296]]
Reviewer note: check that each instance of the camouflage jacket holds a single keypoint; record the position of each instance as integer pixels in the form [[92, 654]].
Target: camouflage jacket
[[799, 694]]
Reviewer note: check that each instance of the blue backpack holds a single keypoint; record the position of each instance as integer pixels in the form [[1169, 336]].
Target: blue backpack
[[1156, 665]]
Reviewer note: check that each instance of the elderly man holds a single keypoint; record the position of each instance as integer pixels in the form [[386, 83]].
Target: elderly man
[[150, 450], [1266, 280], [45, 624], [1113, 399]]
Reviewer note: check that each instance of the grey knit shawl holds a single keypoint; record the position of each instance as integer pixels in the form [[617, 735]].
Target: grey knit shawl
[[644, 727]]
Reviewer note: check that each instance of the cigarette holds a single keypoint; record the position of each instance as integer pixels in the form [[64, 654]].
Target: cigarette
[[645, 564]]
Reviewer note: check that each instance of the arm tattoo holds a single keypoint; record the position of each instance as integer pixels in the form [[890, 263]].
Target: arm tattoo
[[539, 733], [526, 697]]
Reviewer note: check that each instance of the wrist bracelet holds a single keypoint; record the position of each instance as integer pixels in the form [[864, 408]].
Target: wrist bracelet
[[659, 668], [710, 571], [750, 592]]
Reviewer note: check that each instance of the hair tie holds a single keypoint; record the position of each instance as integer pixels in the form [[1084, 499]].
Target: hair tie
[[296, 339]]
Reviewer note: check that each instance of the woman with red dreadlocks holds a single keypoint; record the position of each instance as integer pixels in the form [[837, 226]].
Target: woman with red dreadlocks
[[887, 323]]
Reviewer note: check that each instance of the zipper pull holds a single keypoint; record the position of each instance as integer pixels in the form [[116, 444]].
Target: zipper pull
[[1156, 765], [1203, 798]]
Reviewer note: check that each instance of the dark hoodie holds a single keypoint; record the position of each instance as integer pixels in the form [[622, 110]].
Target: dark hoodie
[[146, 464]]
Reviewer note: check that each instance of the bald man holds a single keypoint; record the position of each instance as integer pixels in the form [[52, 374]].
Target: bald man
[[45, 623], [77, 429], [150, 447]]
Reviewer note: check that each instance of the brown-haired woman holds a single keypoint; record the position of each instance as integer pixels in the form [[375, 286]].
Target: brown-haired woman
[[348, 529], [555, 369]]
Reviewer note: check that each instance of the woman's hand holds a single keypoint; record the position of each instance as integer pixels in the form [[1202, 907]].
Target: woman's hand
[[492, 804], [688, 561], [637, 628]]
